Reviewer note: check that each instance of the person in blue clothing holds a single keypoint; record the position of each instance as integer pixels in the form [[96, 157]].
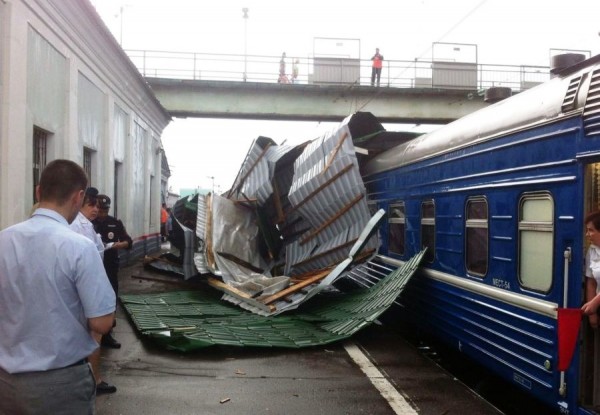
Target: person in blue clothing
[[115, 237], [51, 299]]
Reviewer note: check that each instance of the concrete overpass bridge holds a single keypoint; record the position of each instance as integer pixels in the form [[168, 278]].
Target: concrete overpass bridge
[[253, 100], [326, 89]]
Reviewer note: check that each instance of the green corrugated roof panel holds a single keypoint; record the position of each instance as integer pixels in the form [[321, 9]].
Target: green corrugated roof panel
[[189, 320]]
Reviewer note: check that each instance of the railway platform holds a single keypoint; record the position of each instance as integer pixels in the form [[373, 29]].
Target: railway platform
[[377, 371]]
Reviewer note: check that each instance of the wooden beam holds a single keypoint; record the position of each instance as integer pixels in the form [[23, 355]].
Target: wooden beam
[[322, 254], [334, 152], [309, 274], [241, 262], [221, 286], [296, 287], [228, 289], [210, 255], [277, 202], [312, 194], [329, 221]]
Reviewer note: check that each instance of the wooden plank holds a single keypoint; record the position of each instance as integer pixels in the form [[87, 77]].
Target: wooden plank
[[361, 257], [322, 254], [296, 287], [335, 150], [309, 274], [277, 201], [329, 221], [312, 194], [241, 262], [221, 286], [210, 255]]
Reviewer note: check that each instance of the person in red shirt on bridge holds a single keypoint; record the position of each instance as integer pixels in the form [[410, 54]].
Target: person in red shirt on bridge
[[377, 65]]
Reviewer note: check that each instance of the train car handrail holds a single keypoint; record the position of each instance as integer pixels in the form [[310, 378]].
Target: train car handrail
[[543, 307]]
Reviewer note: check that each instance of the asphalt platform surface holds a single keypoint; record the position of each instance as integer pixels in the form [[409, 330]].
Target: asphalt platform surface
[[236, 380]]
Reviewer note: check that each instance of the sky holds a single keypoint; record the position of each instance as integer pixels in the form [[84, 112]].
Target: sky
[[207, 152]]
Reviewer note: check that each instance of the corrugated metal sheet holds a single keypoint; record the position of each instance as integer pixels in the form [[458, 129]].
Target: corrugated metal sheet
[[254, 171], [255, 175], [293, 211], [190, 320], [295, 299], [201, 218]]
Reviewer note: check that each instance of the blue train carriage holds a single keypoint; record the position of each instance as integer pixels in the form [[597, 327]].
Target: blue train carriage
[[499, 198]]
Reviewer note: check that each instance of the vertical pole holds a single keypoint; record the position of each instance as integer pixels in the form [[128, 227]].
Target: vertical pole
[[212, 178], [245, 17], [121, 31]]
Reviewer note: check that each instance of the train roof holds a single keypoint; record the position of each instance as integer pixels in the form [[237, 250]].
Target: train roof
[[537, 105]]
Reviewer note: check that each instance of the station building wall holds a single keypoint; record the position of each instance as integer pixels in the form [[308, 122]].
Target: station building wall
[[67, 90]]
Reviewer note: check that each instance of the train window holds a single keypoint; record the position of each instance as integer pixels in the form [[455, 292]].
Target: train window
[[476, 236], [397, 228], [536, 235], [428, 229]]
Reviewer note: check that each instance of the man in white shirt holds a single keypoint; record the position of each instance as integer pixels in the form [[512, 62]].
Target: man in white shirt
[[83, 225], [83, 222], [51, 298]]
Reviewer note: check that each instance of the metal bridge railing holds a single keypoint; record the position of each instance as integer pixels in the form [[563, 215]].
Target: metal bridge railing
[[336, 71]]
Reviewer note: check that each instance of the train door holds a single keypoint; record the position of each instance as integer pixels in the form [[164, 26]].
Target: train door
[[590, 348]]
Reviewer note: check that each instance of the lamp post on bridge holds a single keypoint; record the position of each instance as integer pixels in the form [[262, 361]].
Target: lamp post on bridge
[[213, 183], [120, 16], [245, 17]]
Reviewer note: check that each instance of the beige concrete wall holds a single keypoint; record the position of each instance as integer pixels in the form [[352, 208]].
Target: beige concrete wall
[[61, 70]]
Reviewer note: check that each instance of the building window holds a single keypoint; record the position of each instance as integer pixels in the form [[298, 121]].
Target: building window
[[40, 145], [397, 228], [536, 238], [476, 232], [428, 229], [87, 163]]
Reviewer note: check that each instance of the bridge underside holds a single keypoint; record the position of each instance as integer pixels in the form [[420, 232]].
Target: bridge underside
[[215, 99]]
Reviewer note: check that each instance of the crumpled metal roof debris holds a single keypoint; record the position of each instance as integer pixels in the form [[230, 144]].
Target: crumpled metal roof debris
[[295, 220], [190, 320], [273, 303]]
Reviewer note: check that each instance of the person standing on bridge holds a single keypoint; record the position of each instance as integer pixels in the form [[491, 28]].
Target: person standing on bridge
[[295, 70], [283, 79], [377, 65]]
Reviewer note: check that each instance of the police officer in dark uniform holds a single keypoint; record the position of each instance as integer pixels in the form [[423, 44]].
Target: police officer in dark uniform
[[115, 237]]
